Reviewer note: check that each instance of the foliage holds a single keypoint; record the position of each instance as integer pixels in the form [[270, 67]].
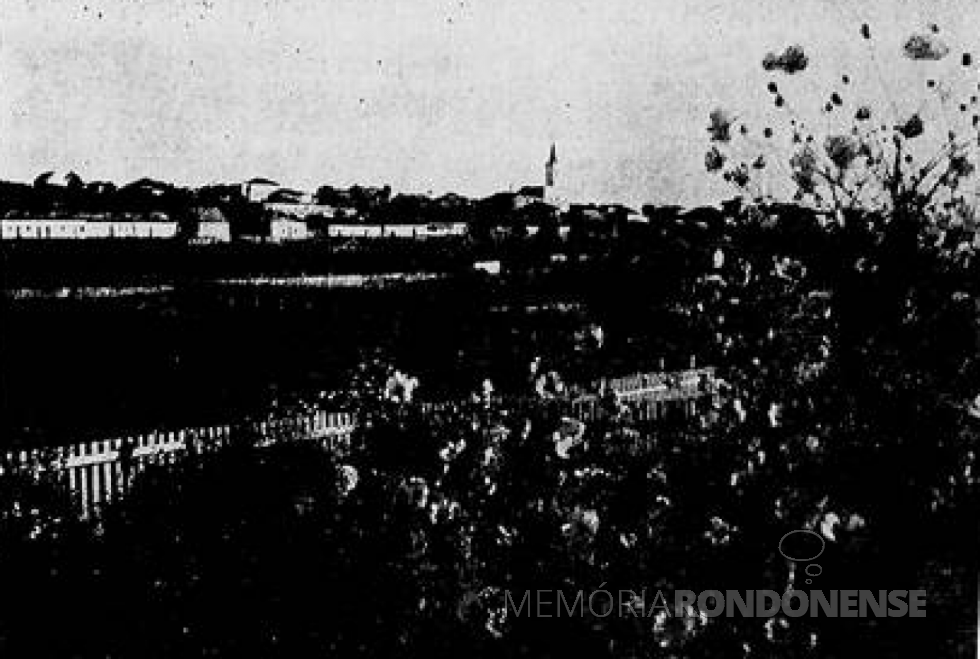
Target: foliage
[[853, 154]]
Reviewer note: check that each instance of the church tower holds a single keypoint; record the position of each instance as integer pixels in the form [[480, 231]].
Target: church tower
[[549, 178]]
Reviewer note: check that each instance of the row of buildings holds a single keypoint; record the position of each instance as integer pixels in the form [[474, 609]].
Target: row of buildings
[[262, 209], [76, 228], [79, 227], [281, 229]]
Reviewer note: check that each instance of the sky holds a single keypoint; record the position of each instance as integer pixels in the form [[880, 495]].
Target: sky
[[425, 95]]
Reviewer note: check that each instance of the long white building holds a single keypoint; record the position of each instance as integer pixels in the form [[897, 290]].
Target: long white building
[[397, 230], [75, 229]]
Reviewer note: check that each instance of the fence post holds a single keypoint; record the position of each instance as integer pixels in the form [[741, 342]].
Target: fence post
[[85, 482]]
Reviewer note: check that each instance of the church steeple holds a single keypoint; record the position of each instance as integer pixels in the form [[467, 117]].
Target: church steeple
[[549, 168]]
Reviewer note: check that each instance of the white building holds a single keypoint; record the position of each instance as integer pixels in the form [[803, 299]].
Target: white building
[[211, 231], [489, 267], [399, 230], [42, 228], [283, 229], [141, 229], [417, 231], [75, 229], [441, 230], [99, 229], [300, 210], [258, 189], [551, 193], [212, 226], [354, 231]]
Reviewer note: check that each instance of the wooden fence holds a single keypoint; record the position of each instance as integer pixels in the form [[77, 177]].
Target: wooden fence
[[98, 471], [650, 396]]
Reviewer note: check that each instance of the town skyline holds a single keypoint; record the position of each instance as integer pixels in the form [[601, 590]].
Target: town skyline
[[427, 97]]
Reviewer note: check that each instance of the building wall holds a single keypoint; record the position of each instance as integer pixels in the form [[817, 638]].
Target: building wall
[[214, 232], [99, 230], [354, 231], [55, 229], [141, 229], [301, 210], [397, 230], [43, 228], [257, 192], [284, 230]]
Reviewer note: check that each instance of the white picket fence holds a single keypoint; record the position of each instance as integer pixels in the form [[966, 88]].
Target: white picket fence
[[98, 471], [650, 396]]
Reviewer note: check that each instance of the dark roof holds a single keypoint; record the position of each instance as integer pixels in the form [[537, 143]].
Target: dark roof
[[368, 189], [662, 208], [532, 191], [409, 196], [147, 183], [260, 181], [285, 195], [615, 208], [452, 199]]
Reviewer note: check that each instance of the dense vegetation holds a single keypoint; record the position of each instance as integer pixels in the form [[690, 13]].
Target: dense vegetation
[[829, 410]]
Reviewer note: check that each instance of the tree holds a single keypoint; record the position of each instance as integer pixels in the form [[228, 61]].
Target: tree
[[835, 369], [886, 183], [876, 161]]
